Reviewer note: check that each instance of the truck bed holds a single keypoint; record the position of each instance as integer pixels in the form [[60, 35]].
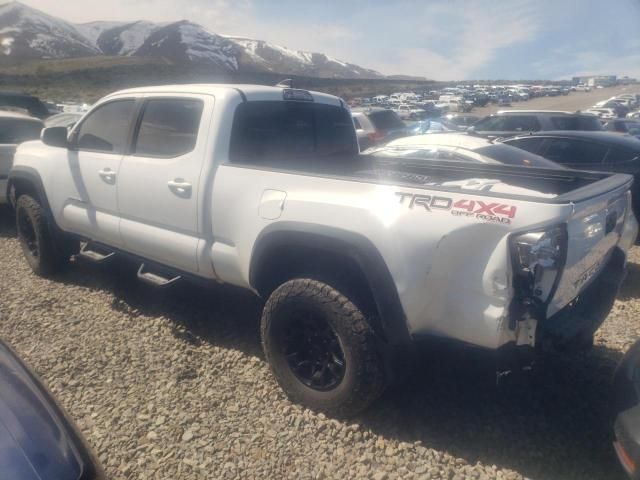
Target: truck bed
[[504, 181]]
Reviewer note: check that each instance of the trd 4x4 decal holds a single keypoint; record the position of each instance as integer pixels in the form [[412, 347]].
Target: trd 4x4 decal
[[487, 211]]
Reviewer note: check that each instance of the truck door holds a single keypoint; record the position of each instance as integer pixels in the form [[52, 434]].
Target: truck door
[[158, 188], [100, 141]]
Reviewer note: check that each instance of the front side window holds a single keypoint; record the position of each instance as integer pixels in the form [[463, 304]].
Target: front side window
[[106, 129], [566, 150], [169, 127], [621, 155], [266, 131]]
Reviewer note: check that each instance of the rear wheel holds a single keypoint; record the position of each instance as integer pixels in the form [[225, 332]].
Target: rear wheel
[[321, 349], [46, 251]]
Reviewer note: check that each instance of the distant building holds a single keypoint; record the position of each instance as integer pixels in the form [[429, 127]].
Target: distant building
[[595, 80], [627, 80]]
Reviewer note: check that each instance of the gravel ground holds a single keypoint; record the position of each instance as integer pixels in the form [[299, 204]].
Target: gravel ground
[[172, 385]]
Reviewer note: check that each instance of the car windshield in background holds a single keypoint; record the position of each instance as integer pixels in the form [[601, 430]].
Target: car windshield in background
[[14, 131], [576, 123], [386, 120], [267, 130]]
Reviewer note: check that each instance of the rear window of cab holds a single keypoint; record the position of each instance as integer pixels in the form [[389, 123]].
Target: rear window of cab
[[283, 130]]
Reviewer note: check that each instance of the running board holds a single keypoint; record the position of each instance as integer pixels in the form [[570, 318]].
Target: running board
[[95, 253], [157, 279]]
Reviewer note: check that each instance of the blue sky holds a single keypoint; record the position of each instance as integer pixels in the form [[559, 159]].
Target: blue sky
[[439, 39]]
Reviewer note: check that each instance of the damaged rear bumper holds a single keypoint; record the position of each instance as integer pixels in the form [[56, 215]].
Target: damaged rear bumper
[[583, 316]]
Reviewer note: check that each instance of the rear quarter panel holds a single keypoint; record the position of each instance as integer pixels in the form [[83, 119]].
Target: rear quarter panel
[[452, 270]]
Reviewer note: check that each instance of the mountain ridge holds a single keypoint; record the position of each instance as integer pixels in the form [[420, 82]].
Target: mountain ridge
[[27, 33]]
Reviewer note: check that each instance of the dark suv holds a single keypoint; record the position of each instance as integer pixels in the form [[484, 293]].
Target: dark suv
[[517, 122], [377, 125]]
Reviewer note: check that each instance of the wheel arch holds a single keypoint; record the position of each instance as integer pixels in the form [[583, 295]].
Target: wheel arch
[[26, 180], [286, 249]]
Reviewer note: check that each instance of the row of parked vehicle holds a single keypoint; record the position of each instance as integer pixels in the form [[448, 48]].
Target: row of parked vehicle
[[460, 99], [276, 197]]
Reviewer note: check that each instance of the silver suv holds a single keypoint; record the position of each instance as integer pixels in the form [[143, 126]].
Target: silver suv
[[517, 122]]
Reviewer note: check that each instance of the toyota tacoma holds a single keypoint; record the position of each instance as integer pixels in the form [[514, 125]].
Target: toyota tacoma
[[356, 257]]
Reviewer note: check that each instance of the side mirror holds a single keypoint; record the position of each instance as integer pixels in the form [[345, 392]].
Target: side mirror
[[55, 137], [471, 129]]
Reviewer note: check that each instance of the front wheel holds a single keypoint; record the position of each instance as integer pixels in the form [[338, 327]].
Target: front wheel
[[321, 349], [46, 252]]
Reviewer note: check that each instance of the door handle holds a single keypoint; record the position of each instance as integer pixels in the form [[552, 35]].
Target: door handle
[[107, 174], [179, 186]]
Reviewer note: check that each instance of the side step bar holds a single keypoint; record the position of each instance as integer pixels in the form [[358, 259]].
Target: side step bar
[[95, 253], [157, 279]]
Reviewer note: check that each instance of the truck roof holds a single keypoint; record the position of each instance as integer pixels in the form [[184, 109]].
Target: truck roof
[[251, 92]]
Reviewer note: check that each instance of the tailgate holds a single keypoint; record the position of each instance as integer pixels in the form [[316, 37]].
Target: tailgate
[[594, 229]]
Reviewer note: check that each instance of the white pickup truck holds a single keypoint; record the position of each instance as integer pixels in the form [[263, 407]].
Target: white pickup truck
[[357, 257]]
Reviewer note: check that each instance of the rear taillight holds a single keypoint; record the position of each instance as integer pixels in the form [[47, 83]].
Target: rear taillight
[[538, 257], [375, 136]]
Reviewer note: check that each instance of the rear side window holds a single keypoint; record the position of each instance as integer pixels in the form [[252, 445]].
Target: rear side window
[[576, 123], [522, 123], [356, 123], [491, 124], [565, 150], [169, 127], [106, 129], [386, 120], [17, 131], [276, 130], [531, 144]]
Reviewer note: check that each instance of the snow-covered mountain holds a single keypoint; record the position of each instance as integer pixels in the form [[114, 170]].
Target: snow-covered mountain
[[27, 33], [275, 58]]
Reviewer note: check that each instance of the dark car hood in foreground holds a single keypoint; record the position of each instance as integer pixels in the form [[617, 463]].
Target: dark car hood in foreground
[[37, 441]]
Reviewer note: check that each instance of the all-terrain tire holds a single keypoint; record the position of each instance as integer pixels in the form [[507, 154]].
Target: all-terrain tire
[[363, 374], [46, 251]]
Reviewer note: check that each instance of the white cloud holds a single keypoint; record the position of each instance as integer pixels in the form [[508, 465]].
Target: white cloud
[[485, 29]]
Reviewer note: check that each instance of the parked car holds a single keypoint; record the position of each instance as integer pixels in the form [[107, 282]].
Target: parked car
[[15, 128], [38, 440], [459, 122], [514, 122], [603, 114], [599, 151], [623, 126], [24, 103], [356, 256], [625, 402], [63, 120], [460, 147], [376, 125], [504, 100], [620, 109]]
